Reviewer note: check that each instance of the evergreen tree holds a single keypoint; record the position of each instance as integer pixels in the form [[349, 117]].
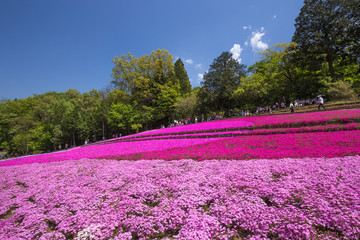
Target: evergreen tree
[[181, 75], [220, 82], [327, 31]]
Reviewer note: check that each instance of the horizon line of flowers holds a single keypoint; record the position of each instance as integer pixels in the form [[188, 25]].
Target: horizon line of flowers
[[262, 131], [94, 151], [272, 146], [256, 122]]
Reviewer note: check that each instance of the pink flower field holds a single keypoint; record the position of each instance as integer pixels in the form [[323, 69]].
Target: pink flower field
[[298, 145], [342, 116], [258, 199], [294, 176], [113, 149], [246, 123]]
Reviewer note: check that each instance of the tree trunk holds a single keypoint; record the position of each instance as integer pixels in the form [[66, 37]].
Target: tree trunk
[[331, 69], [73, 138], [103, 128]]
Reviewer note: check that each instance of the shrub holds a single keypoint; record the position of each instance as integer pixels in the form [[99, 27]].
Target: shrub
[[342, 91]]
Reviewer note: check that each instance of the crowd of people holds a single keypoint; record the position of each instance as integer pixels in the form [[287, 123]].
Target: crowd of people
[[293, 104], [9, 155], [259, 110]]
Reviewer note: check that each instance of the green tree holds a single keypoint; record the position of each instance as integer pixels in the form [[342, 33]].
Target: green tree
[[182, 76], [278, 76], [56, 110], [220, 82], [124, 118], [342, 91], [165, 104], [278, 73], [327, 31], [22, 124], [91, 104], [71, 121], [8, 114], [186, 106], [253, 92], [125, 72], [150, 82], [45, 121]]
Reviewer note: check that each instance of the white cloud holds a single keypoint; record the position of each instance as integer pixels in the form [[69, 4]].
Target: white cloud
[[189, 61], [198, 66], [200, 76], [246, 43], [275, 16], [236, 52], [256, 41], [246, 27], [262, 29]]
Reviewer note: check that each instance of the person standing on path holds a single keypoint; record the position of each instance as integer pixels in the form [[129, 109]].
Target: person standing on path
[[292, 107], [321, 102]]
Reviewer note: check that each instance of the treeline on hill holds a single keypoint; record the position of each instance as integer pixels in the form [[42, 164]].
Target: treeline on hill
[[150, 91]]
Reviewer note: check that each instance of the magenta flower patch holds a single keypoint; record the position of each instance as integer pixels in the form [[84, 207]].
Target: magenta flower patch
[[113, 149], [297, 145]]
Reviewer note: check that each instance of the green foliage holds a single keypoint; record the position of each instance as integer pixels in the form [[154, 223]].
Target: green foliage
[[43, 122], [186, 106], [146, 90], [220, 82], [327, 31], [92, 104], [116, 96], [252, 92], [125, 72], [342, 91], [181, 75], [151, 82], [124, 117], [136, 127], [8, 113], [272, 79]]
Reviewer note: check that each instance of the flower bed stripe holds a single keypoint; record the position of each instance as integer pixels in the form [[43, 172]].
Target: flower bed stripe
[[256, 122], [326, 128], [114, 149], [315, 144]]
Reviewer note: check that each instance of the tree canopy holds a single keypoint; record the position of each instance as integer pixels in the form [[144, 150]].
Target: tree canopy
[[220, 81], [151, 82], [182, 76], [328, 30]]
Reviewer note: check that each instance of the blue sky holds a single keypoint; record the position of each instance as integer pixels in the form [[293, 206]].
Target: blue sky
[[60, 44]]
